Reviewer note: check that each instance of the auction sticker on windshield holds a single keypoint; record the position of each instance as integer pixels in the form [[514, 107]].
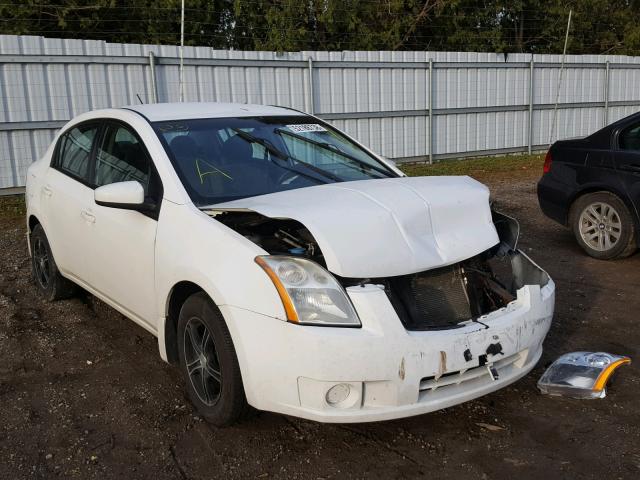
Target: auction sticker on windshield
[[306, 127]]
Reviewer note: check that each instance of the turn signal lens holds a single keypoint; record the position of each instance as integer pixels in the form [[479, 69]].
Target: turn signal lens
[[603, 378], [289, 309]]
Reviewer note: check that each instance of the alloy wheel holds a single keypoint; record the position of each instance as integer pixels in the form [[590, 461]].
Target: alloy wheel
[[41, 263], [600, 226], [201, 359]]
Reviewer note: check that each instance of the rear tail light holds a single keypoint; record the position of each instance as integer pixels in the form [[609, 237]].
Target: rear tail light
[[547, 163]]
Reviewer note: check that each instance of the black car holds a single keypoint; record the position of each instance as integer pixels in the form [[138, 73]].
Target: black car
[[592, 185]]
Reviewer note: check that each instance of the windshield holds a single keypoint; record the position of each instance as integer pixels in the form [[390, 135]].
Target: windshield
[[223, 159]]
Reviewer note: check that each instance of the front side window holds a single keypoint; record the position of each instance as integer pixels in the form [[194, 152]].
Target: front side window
[[630, 138], [74, 150], [120, 157], [223, 159]]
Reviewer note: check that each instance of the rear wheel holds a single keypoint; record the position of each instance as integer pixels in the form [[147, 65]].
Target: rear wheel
[[209, 363], [46, 275], [603, 226]]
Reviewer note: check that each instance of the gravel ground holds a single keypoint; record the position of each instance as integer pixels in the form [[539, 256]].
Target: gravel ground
[[84, 394]]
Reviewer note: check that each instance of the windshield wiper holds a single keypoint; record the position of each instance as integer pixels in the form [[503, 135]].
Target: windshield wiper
[[260, 141], [275, 152], [333, 148]]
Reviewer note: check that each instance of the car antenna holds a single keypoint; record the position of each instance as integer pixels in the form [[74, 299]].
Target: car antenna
[[139, 99]]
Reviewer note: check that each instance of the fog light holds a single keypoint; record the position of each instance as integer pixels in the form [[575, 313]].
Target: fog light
[[338, 393]]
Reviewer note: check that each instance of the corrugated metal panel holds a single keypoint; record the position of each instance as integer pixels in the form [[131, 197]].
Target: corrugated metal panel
[[476, 106], [624, 84], [570, 123]]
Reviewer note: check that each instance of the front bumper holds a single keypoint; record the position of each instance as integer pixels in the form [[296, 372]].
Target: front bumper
[[391, 372]]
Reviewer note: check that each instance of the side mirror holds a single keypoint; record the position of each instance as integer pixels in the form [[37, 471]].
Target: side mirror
[[126, 195]]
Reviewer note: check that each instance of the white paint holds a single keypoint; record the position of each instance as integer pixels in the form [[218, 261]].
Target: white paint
[[189, 110], [132, 262], [369, 357], [387, 227], [129, 193]]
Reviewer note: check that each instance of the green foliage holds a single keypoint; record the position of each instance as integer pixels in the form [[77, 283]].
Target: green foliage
[[291, 25], [133, 21], [479, 167], [504, 26]]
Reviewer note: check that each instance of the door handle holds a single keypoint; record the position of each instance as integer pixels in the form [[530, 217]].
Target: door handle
[[47, 190], [88, 216]]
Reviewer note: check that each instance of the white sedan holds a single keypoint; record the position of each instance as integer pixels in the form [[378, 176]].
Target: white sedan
[[285, 266]]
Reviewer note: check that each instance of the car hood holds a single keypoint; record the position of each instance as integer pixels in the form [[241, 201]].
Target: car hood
[[386, 227]]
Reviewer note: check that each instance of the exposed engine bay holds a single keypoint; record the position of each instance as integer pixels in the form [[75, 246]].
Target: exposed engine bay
[[435, 299], [276, 236]]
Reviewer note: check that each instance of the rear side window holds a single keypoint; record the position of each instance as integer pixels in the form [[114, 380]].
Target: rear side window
[[630, 138], [74, 150], [121, 157]]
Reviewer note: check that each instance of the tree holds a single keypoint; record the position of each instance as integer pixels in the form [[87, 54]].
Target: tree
[[531, 26], [327, 24], [140, 21], [536, 26]]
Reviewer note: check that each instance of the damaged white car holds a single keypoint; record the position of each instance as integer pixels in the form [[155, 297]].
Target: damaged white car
[[283, 265]]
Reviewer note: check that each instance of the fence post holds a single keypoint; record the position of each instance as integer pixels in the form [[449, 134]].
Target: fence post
[[531, 69], [430, 95], [154, 86], [311, 106], [606, 94]]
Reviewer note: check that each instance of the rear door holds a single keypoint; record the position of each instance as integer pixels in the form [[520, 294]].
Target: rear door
[[67, 199], [123, 242], [627, 160]]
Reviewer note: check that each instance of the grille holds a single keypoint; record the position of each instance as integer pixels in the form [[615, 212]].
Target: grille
[[434, 299], [452, 379]]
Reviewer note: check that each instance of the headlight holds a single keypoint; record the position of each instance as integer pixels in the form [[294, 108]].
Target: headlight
[[581, 374], [310, 294]]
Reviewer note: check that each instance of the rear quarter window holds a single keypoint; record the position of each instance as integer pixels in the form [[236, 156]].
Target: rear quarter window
[[630, 138]]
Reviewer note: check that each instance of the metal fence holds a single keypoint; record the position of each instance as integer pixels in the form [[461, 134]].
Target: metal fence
[[408, 106]]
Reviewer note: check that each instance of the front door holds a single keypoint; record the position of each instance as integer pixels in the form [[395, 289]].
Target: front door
[[123, 241]]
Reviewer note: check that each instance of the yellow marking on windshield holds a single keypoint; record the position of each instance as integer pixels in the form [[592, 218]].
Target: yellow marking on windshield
[[215, 170]]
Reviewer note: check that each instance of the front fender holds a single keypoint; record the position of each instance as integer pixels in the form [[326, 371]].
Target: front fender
[[191, 246]]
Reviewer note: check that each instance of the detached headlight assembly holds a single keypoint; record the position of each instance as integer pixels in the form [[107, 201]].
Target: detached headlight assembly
[[310, 294]]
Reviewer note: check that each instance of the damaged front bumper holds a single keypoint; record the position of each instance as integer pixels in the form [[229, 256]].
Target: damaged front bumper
[[383, 371]]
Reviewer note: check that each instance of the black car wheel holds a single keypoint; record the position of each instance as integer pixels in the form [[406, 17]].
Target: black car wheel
[[209, 363], [45, 272], [603, 226]]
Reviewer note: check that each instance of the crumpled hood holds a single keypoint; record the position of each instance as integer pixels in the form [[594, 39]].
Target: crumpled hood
[[387, 227]]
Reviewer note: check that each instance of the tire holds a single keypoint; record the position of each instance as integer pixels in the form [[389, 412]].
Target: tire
[[214, 385], [603, 226], [45, 273]]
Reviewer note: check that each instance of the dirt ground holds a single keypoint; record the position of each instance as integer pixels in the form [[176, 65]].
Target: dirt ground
[[84, 394]]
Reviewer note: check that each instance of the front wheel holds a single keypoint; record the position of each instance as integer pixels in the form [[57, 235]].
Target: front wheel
[[209, 363], [603, 226]]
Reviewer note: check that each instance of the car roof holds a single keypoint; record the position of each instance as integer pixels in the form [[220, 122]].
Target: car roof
[[602, 138], [155, 112]]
